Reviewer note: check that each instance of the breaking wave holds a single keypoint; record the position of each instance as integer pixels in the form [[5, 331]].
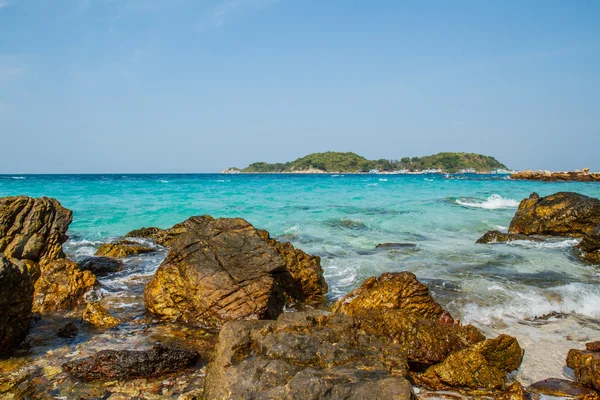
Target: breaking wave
[[493, 202]]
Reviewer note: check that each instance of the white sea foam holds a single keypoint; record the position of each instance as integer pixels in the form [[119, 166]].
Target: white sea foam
[[428, 179], [162, 181], [17, 177], [293, 229], [493, 202], [382, 180], [223, 180], [562, 244]]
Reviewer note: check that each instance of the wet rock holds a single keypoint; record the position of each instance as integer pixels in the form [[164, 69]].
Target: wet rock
[[499, 237], [99, 316], [68, 331], [16, 296], [590, 245], [593, 346], [483, 366], [397, 291], [164, 237], [560, 214], [61, 286], [563, 388], [122, 249], [514, 391], [127, 364], [305, 356], [385, 246], [586, 366], [307, 283], [33, 229], [100, 266], [582, 175], [223, 269]]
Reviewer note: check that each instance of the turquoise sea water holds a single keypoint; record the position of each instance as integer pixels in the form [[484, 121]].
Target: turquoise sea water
[[539, 292]]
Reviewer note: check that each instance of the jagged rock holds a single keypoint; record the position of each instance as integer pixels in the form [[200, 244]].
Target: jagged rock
[[586, 366], [590, 245], [513, 391], [560, 214], [122, 249], [593, 346], [100, 266], [99, 316], [16, 296], [164, 237], [305, 356], [499, 237], [126, 364], [563, 388], [33, 229], [68, 331], [582, 175], [483, 366], [61, 286], [222, 269], [397, 291]]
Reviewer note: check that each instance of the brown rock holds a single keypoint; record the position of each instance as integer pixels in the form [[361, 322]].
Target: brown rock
[[582, 175], [563, 388], [68, 331], [590, 245], [483, 366], [396, 291], [99, 316], [164, 237], [16, 295], [100, 266], [61, 286], [33, 229], [593, 346], [499, 237], [586, 366], [560, 214], [305, 356], [514, 391], [122, 249], [222, 269]]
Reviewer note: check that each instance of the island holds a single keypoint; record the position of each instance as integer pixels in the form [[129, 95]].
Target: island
[[348, 162]]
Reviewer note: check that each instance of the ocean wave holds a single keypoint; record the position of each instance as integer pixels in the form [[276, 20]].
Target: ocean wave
[[223, 180], [574, 298], [561, 244], [493, 202], [383, 180], [162, 181], [17, 177]]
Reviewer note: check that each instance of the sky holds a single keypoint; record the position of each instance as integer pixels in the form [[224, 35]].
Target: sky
[[105, 86]]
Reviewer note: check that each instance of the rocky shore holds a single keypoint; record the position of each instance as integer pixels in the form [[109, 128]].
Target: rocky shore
[[583, 175], [232, 313]]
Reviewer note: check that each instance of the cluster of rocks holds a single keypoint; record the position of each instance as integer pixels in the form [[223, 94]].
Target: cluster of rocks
[[582, 175], [563, 214]]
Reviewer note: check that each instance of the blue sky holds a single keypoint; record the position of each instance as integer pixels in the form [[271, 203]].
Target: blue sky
[[198, 86]]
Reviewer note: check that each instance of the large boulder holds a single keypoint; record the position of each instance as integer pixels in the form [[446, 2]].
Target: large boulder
[[590, 245], [127, 364], [586, 366], [223, 269], [305, 356], [560, 214], [61, 286], [16, 296], [483, 366], [33, 229]]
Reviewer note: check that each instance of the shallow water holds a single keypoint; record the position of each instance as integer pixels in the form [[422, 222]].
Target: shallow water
[[538, 292]]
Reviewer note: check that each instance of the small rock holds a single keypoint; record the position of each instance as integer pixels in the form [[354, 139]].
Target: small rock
[[395, 246], [593, 346], [68, 331], [563, 388], [514, 391], [98, 316], [500, 237], [122, 249], [100, 266], [586, 366]]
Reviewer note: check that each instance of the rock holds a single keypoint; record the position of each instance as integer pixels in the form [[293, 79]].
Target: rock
[[99, 316], [582, 175], [61, 286], [514, 391], [307, 284], [397, 291], [302, 355], [223, 269], [593, 346], [100, 266], [560, 214], [68, 331], [386, 246], [586, 366], [164, 237], [122, 249], [16, 296], [33, 229], [127, 364], [590, 245], [498, 237], [563, 388], [483, 366]]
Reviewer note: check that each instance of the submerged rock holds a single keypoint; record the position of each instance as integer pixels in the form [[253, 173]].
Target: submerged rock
[[99, 316], [100, 266], [68, 331], [499, 237], [560, 214], [483, 366], [563, 388], [16, 296], [122, 249], [305, 356], [33, 229], [386, 246], [126, 364], [61, 286], [225, 269], [586, 366]]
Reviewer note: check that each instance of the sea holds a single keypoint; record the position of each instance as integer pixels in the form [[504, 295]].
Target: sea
[[539, 292]]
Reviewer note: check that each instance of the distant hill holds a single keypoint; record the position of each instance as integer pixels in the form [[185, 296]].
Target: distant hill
[[332, 161]]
